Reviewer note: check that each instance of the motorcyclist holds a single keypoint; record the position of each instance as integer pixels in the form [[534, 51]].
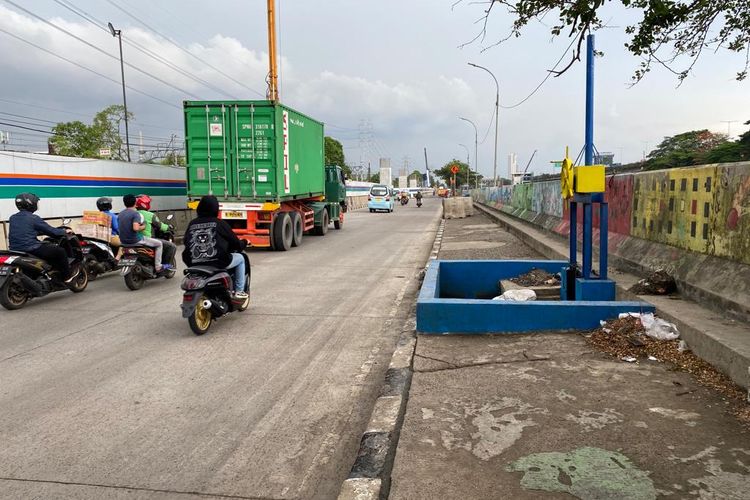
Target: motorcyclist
[[131, 224], [151, 221], [210, 241], [418, 197], [104, 204], [26, 226]]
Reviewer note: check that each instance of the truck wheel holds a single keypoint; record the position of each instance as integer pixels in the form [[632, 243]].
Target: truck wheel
[[339, 223], [298, 229], [323, 228], [283, 232]]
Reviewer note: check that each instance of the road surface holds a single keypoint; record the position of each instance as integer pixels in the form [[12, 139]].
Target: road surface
[[107, 394]]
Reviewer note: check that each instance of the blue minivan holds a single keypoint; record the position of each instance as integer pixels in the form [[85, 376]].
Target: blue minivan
[[380, 198]]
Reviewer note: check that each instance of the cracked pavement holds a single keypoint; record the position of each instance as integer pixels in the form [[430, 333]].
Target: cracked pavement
[[545, 416]]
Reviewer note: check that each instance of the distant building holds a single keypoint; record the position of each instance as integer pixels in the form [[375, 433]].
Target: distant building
[[606, 159]]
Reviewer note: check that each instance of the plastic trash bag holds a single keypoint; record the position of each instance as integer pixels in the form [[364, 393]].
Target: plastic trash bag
[[520, 295], [658, 328]]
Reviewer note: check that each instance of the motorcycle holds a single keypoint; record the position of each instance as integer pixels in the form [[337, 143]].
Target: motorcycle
[[419, 202], [404, 200], [24, 276], [207, 295], [137, 264], [98, 256]]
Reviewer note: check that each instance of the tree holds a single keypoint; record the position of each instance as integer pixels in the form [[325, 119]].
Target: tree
[[738, 150], [74, 139], [78, 139], [375, 178], [669, 31], [688, 148], [464, 173], [107, 127], [334, 155], [173, 158]]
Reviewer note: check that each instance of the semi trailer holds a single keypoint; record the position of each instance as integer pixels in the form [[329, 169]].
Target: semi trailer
[[265, 163]]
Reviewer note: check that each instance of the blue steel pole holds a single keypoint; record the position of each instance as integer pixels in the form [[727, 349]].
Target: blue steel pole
[[589, 147]]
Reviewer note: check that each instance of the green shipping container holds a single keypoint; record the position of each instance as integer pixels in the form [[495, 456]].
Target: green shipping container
[[252, 151]]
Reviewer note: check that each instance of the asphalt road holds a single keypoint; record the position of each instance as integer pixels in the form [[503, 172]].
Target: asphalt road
[[107, 394]]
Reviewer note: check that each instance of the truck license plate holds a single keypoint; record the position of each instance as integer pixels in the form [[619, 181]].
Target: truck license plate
[[233, 214]]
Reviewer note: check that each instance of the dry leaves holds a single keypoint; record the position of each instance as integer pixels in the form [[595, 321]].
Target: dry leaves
[[626, 338]]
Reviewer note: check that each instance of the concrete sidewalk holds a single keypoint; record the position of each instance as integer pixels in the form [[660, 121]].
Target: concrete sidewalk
[[723, 342], [547, 416]]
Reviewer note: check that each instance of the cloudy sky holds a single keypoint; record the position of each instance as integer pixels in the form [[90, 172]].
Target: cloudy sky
[[388, 75]]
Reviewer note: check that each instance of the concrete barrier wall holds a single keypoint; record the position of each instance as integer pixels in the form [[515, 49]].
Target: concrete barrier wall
[[704, 209]]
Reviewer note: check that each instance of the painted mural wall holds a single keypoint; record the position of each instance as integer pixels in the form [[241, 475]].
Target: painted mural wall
[[68, 186], [705, 209]]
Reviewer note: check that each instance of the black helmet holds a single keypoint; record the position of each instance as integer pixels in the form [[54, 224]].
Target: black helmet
[[104, 204], [27, 201]]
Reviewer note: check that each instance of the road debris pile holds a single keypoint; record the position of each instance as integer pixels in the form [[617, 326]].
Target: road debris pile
[[536, 277], [626, 339], [657, 283]]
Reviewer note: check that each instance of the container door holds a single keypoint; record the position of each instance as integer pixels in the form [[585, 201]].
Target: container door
[[253, 151], [208, 128]]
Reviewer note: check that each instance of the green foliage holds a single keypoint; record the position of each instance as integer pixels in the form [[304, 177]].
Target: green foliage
[[173, 158], [688, 148], [375, 178], [75, 139], [78, 139], [461, 177], [668, 33], [334, 155]]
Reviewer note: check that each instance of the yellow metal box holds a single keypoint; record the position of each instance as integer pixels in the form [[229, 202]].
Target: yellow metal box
[[589, 179]]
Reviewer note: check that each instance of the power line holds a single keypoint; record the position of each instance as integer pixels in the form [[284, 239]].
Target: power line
[[170, 40], [549, 73], [87, 69], [100, 24], [73, 113], [98, 49]]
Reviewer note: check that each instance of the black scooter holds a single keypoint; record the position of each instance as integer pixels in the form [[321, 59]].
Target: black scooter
[[137, 264], [208, 295], [419, 202], [98, 256], [24, 276]]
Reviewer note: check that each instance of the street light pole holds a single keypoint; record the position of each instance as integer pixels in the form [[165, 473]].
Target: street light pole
[[118, 34], [476, 148], [497, 114], [468, 165]]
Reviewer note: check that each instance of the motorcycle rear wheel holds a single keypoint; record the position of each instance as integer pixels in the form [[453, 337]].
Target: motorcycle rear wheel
[[81, 282], [134, 280], [12, 295], [200, 320]]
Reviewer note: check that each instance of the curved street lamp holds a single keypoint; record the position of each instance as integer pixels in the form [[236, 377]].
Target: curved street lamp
[[497, 113], [476, 146]]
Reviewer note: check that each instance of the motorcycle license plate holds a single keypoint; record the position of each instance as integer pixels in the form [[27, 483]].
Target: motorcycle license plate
[[233, 214], [128, 261], [86, 250], [4, 271]]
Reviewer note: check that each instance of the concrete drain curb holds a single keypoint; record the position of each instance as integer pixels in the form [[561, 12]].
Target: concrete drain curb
[[438, 243], [377, 449], [369, 478]]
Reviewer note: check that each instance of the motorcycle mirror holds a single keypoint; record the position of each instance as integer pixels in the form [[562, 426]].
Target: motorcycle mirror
[[66, 222], [170, 216]]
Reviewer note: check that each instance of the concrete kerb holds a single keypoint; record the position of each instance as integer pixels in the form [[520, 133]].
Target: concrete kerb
[[369, 478], [706, 342]]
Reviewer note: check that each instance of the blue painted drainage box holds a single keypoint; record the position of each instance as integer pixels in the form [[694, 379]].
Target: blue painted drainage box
[[456, 298]]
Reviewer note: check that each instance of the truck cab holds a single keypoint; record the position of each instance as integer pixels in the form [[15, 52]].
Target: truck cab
[[336, 186]]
